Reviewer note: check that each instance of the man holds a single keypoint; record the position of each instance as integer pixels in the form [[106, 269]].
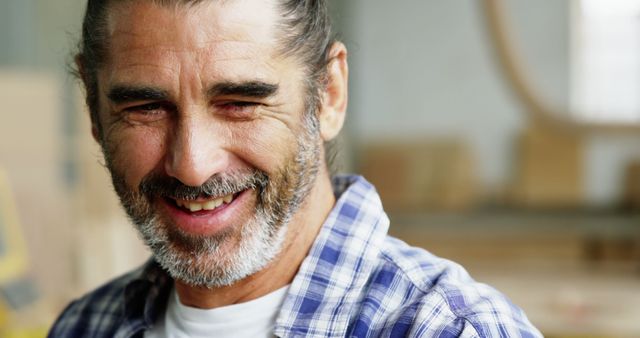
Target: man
[[212, 115]]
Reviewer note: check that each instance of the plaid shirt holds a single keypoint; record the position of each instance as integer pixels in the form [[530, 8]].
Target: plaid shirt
[[355, 282]]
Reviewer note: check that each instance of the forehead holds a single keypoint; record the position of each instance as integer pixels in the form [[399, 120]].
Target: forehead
[[146, 33], [202, 20]]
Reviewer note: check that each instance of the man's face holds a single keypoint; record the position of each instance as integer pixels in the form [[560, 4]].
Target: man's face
[[205, 133]]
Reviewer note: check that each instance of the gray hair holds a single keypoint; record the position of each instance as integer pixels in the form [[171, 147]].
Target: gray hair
[[306, 33]]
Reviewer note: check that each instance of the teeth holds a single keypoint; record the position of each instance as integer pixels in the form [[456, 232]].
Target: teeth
[[218, 202], [208, 205], [195, 207]]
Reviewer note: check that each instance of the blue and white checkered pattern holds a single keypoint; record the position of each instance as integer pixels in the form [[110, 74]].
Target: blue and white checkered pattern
[[355, 282]]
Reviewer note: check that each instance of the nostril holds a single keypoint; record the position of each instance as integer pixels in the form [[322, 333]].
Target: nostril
[[195, 167]]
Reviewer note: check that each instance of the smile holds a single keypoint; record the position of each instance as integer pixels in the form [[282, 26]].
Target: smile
[[209, 204], [207, 215]]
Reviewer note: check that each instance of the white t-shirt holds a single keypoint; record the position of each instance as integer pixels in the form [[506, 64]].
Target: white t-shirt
[[252, 319]]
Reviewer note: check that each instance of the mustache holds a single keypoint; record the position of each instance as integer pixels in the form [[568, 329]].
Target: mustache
[[159, 185]]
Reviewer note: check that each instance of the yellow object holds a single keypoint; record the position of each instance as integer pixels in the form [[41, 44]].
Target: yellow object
[[4, 318], [9, 329], [24, 333], [13, 265], [13, 253]]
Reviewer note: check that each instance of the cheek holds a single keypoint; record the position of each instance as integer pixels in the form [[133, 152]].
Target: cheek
[[265, 146], [136, 153]]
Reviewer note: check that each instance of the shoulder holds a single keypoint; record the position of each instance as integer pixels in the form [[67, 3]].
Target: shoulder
[[420, 295], [96, 314]]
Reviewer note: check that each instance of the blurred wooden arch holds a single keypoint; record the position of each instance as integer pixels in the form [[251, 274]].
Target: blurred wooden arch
[[541, 112]]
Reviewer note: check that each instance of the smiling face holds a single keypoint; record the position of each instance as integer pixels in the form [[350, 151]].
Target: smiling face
[[206, 132]]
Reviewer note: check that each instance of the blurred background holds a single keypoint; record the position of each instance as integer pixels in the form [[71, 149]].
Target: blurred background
[[504, 135]]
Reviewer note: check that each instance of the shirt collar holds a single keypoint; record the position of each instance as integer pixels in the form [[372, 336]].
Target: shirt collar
[[145, 298], [331, 277]]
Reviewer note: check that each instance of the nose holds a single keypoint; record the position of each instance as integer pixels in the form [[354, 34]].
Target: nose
[[195, 153]]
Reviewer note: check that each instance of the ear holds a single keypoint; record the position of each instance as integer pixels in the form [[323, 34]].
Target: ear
[[335, 94], [94, 132], [83, 76]]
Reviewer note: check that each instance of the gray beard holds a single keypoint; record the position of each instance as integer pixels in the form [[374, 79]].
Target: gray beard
[[208, 265], [228, 257]]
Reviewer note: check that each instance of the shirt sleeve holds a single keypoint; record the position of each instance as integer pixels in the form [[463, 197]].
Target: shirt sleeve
[[478, 312], [67, 322]]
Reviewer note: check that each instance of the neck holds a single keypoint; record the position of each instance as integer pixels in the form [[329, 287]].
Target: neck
[[301, 233]]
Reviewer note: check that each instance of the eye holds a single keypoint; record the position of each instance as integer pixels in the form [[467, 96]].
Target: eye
[[146, 113], [237, 109]]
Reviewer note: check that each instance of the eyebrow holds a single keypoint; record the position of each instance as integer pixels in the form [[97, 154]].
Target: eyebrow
[[125, 94], [254, 89], [120, 94]]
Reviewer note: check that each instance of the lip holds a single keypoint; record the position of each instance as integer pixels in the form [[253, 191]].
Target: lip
[[207, 222]]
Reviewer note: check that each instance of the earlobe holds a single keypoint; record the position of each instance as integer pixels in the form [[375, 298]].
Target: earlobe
[[95, 133], [335, 96]]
